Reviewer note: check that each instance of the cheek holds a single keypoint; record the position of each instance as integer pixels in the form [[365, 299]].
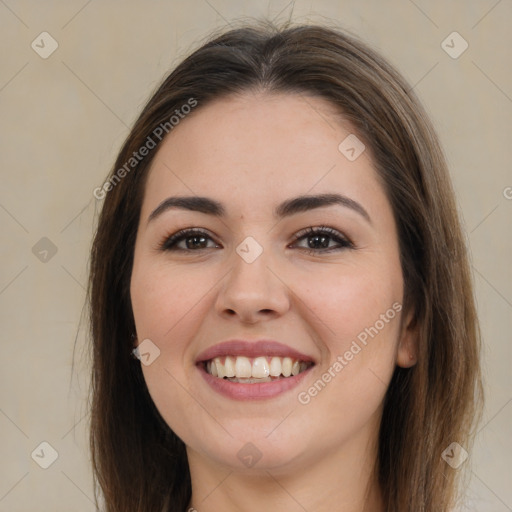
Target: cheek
[[360, 312], [165, 298], [349, 300], [168, 306]]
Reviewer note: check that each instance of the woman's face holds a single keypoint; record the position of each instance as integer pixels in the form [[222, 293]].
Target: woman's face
[[268, 284]]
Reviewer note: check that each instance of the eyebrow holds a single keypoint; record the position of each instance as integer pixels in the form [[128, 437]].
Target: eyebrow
[[285, 209]]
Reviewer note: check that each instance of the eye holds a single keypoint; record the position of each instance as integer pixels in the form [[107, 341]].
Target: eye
[[320, 238], [194, 239]]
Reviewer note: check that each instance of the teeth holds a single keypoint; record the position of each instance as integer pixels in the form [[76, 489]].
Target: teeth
[[229, 366], [243, 368], [286, 367], [260, 370], [221, 370], [275, 366], [251, 380]]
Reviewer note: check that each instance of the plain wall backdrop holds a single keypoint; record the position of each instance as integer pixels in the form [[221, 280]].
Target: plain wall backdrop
[[64, 116]]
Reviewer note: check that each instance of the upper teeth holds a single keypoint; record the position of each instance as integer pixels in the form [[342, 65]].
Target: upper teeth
[[261, 367]]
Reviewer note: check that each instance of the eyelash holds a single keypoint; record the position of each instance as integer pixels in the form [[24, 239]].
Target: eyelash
[[169, 243]]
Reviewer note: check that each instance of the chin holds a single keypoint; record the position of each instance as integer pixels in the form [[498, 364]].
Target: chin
[[252, 446]]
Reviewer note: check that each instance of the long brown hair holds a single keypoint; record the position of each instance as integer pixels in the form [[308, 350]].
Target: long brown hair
[[139, 463]]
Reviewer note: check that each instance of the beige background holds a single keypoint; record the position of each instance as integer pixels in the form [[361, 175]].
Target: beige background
[[63, 120]]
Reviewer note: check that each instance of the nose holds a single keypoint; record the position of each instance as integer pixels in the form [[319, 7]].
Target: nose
[[253, 292]]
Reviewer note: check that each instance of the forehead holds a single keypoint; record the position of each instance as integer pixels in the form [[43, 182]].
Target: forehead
[[258, 148]]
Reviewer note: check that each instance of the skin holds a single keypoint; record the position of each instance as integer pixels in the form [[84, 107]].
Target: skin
[[251, 152]]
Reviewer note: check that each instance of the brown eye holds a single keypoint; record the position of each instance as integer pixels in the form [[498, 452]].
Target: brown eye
[[187, 240], [319, 240]]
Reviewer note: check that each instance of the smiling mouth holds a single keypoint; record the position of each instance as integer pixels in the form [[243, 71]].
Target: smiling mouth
[[246, 370]]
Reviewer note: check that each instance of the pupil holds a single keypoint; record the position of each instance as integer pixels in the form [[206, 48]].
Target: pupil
[[195, 238], [324, 241]]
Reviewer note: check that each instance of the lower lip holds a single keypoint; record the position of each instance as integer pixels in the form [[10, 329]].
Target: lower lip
[[255, 391]]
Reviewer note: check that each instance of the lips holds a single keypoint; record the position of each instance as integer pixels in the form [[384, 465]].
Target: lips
[[258, 369], [252, 349]]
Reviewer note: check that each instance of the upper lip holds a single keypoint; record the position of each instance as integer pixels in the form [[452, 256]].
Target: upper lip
[[251, 349]]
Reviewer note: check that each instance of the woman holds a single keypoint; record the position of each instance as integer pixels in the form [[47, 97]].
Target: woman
[[281, 306]]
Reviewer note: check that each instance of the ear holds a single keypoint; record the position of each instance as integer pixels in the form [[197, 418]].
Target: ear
[[407, 353]]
